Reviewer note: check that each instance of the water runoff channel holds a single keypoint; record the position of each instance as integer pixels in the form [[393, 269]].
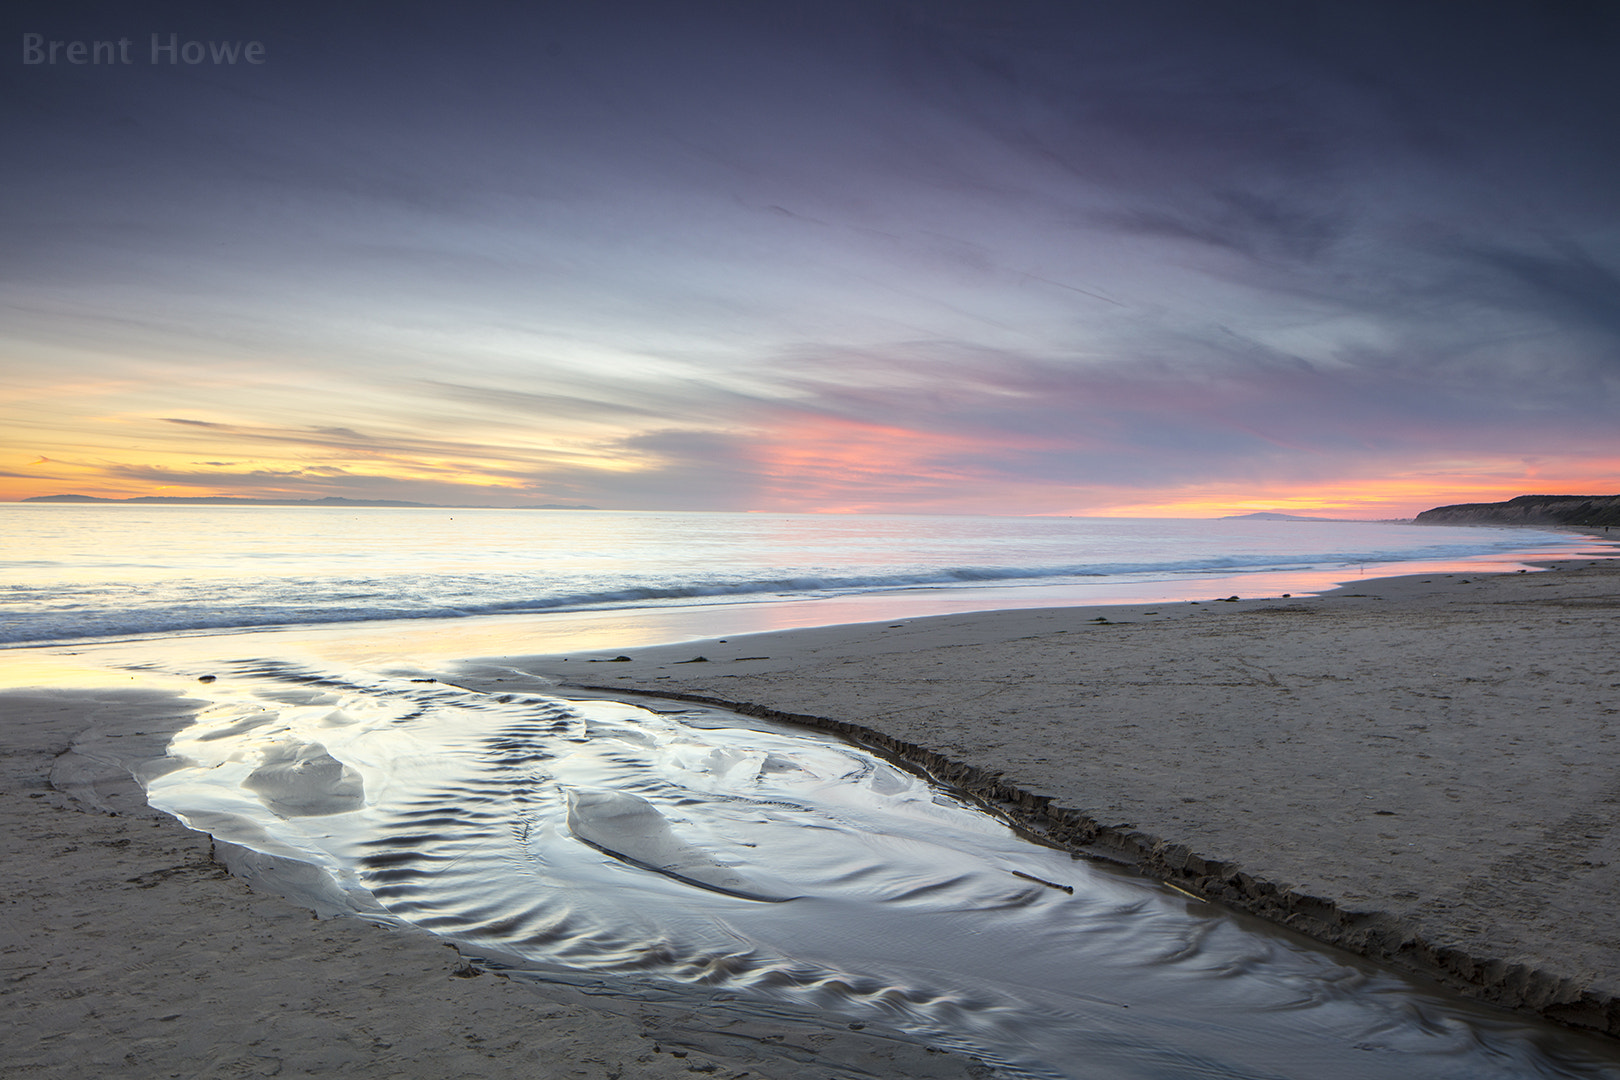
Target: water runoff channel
[[758, 866]]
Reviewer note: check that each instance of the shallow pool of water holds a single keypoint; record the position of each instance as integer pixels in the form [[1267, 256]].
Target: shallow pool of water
[[761, 866]]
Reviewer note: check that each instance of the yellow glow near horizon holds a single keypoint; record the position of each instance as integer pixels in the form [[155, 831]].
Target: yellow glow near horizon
[[91, 449], [121, 438], [834, 479]]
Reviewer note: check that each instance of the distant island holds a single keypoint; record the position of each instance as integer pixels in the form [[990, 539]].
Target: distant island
[[330, 500], [1272, 515], [1529, 510]]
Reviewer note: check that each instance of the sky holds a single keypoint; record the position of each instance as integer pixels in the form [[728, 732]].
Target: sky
[[1151, 259]]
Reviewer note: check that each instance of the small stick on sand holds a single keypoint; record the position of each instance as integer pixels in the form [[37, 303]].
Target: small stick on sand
[[1042, 881]]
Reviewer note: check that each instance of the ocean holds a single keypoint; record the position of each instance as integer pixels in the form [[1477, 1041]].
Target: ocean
[[76, 572]]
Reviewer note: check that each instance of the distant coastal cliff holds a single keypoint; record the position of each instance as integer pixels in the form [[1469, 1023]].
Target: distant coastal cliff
[[1529, 510]]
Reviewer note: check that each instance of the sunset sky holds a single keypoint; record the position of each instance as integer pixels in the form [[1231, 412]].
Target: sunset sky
[[1039, 258]]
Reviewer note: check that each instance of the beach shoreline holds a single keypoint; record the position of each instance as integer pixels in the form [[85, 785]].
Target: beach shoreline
[[1136, 732], [1417, 769]]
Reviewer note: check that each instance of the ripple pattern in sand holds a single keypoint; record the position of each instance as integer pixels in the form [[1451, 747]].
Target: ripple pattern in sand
[[752, 862]]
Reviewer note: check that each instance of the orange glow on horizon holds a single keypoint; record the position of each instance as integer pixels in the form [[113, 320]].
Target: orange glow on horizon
[[1394, 497], [796, 461]]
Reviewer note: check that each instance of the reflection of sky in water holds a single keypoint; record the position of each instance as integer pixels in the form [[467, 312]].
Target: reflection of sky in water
[[611, 839], [429, 642], [184, 569]]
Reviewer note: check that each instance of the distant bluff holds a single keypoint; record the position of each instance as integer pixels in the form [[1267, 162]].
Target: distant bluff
[[1529, 510]]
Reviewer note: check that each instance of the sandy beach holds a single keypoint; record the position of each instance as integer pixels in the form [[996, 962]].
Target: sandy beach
[[1421, 770]]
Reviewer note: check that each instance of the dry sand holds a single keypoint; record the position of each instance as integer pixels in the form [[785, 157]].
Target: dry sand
[[1424, 770], [1420, 769]]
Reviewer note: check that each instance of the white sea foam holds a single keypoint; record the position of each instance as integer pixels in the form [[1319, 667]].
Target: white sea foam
[[178, 568]]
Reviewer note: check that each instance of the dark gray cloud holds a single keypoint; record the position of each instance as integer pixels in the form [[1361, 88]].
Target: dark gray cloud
[[1248, 224], [1565, 284]]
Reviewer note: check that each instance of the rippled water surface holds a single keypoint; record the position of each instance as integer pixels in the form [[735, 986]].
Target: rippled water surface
[[74, 572], [769, 867]]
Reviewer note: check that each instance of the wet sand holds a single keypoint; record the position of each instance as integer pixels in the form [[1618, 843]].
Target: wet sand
[[1420, 769], [1423, 770], [126, 949]]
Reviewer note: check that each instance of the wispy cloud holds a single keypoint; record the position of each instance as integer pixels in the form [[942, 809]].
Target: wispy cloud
[[1021, 256]]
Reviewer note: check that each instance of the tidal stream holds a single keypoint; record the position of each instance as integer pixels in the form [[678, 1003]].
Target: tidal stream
[[766, 867]]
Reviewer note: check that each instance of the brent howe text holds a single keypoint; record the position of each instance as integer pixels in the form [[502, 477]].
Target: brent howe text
[[37, 49]]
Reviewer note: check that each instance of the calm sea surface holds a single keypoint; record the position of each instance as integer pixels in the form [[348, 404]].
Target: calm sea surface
[[72, 572]]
